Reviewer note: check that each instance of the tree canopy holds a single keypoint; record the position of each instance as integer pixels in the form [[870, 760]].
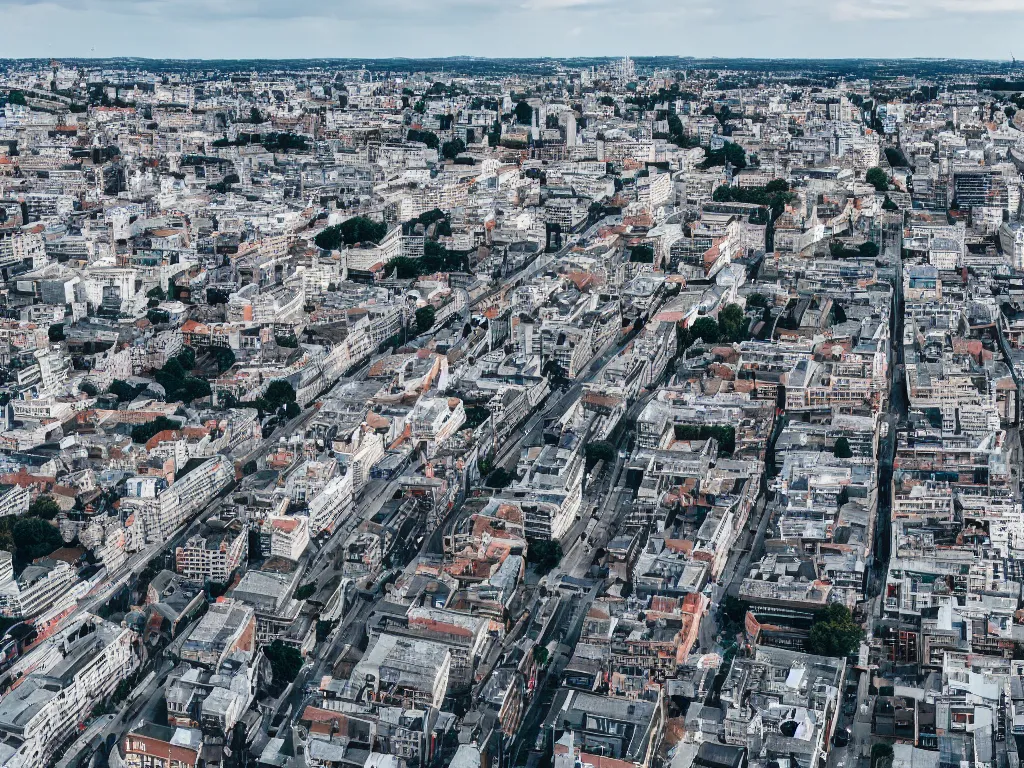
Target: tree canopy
[[358, 229], [834, 632], [730, 153], [44, 507], [706, 329], [544, 554], [285, 662], [732, 323], [841, 449], [877, 178], [424, 319], [524, 113], [452, 149], [643, 254], [427, 137]]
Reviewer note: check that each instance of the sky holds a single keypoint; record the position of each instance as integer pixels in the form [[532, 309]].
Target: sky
[[984, 29]]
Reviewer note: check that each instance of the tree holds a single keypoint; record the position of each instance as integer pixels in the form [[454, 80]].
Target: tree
[[35, 537], [291, 410], [841, 449], [287, 341], [730, 153], [88, 388], [868, 250], [278, 393], [895, 158], [732, 323], [424, 319], [44, 507], [877, 178], [305, 591], [540, 655], [642, 254], [223, 356], [499, 478], [599, 450], [156, 293], [889, 205], [834, 632], [838, 313], [452, 149], [285, 662], [16, 97], [544, 554], [425, 137], [706, 329], [143, 432], [881, 755], [358, 229], [56, 332], [123, 390], [250, 468], [757, 300], [405, 268], [524, 113]]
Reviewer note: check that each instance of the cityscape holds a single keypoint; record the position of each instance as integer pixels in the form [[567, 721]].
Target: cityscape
[[610, 412]]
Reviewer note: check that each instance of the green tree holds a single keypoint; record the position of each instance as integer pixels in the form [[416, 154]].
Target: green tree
[[834, 632], [895, 157], [544, 554], [405, 268], [35, 537], [123, 390], [452, 149], [278, 393], [56, 332], [143, 432], [868, 250], [599, 450], [838, 313], [426, 137], [250, 468], [305, 591], [17, 97], [358, 229], [285, 662], [730, 153], [540, 655], [223, 356], [882, 755], [877, 178], [732, 323], [889, 205], [524, 113], [88, 388], [841, 449], [424, 319], [642, 254], [156, 293], [499, 478], [706, 329], [44, 507], [757, 300]]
